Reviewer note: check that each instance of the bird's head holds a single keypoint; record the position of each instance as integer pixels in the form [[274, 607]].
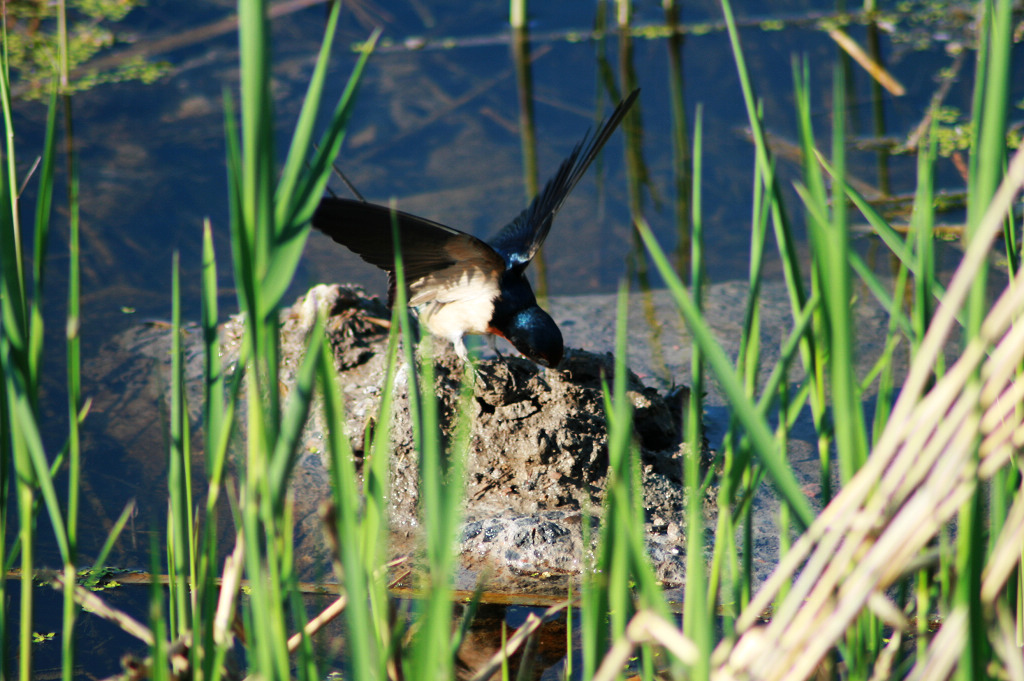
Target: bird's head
[[534, 333]]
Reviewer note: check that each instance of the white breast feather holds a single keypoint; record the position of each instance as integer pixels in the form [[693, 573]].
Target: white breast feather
[[458, 299]]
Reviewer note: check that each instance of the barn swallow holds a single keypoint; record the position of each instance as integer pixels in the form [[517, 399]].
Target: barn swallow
[[458, 283]]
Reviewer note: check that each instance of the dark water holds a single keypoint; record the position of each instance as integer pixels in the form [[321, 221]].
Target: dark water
[[437, 128]]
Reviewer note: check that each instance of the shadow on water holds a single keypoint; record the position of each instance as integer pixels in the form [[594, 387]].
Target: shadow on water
[[459, 119]]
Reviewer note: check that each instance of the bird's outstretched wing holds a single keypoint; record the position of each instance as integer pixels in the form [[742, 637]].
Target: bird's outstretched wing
[[441, 263], [520, 240]]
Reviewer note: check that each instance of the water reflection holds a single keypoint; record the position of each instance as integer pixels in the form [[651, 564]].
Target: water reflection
[[528, 139], [153, 172]]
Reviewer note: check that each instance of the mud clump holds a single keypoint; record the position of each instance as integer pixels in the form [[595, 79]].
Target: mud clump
[[539, 438], [537, 464]]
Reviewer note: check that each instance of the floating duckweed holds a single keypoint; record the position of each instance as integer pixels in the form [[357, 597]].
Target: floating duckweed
[[653, 31], [31, 43]]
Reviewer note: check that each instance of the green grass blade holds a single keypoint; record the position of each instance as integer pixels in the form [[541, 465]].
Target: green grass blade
[[780, 221], [363, 642], [922, 223], [179, 520], [757, 430], [257, 132], [44, 200], [286, 450], [76, 412], [108, 543], [213, 372], [431, 654], [242, 253], [39, 472], [12, 270], [989, 153], [698, 611], [296, 202], [302, 138], [617, 521], [889, 236], [408, 343]]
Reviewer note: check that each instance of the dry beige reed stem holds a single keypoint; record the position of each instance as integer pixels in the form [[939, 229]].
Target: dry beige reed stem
[[1004, 642], [923, 468], [645, 627], [1006, 552], [944, 650], [524, 632]]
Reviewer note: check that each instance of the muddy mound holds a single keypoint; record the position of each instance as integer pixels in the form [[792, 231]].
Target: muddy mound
[[538, 450], [536, 469]]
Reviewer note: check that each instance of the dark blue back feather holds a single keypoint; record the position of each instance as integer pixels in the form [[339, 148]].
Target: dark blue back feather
[[520, 240]]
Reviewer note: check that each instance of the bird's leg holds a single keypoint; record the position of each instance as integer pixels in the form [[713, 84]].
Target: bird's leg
[[492, 343], [460, 348], [467, 361]]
